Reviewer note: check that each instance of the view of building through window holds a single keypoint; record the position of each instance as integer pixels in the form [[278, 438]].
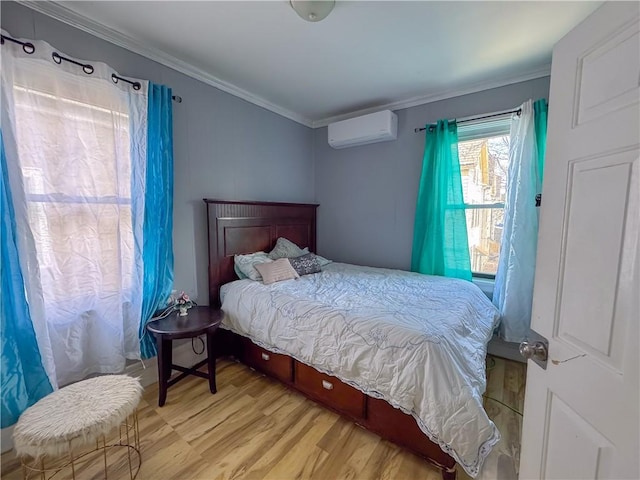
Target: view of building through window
[[484, 164]]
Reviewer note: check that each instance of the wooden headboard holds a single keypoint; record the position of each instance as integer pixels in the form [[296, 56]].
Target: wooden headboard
[[246, 227]]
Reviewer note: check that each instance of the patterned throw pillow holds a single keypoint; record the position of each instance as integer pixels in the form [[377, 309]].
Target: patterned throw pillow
[[305, 264], [276, 271], [286, 249]]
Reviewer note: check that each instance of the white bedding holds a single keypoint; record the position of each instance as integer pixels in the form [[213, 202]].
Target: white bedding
[[417, 341]]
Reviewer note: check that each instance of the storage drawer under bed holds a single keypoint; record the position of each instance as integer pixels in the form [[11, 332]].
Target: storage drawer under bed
[[274, 364], [329, 390]]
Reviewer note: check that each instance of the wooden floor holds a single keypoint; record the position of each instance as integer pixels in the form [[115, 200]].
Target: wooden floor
[[255, 428], [505, 383]]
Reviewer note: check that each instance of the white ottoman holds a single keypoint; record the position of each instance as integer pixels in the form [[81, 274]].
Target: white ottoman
[[62, 425]]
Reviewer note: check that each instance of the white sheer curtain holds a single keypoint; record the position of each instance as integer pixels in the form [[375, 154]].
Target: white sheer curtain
[[76, 154], [513, 291]]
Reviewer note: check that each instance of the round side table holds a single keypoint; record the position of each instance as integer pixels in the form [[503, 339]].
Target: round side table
[[199, 321]]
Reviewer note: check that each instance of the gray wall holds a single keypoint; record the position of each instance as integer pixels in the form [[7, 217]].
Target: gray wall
[[224, 147], [367, 194]]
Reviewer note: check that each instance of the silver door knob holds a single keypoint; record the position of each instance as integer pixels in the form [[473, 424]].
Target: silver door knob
[[534, 350]]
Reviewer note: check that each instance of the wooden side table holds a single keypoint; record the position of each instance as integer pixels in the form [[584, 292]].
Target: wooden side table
[[199, 321]]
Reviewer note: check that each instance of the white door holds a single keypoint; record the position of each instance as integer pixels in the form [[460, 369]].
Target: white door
[[582, 414]]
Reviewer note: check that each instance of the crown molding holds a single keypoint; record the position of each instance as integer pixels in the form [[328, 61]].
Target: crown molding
[[59, 12], [539, 72]]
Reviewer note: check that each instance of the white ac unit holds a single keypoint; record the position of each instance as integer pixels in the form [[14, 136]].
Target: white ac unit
[[372, 128]]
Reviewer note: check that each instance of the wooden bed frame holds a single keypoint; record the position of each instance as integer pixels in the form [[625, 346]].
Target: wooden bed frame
[[246, 227]]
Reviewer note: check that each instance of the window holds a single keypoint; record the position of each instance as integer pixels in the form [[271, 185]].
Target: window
[[74, 149], [483, 149]]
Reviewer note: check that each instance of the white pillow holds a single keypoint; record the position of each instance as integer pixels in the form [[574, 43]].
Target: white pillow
[[244, 265], [286, 249], [322, 261]]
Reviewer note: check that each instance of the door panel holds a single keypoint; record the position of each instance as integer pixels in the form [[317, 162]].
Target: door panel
[[598, 194], [575, 449], [606, 81]]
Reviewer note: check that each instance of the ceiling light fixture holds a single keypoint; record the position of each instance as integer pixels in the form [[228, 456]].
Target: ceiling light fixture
[[312, 10]]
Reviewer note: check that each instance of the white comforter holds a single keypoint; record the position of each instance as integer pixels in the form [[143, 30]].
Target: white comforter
[[417, 341]]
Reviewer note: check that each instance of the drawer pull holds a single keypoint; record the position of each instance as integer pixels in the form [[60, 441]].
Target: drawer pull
[[327, 385], [265, 356]]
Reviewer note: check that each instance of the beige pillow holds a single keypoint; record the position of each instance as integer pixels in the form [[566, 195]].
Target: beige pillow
[[276, 271]]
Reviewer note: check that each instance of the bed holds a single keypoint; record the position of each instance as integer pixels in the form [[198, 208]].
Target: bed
[[356, 338]]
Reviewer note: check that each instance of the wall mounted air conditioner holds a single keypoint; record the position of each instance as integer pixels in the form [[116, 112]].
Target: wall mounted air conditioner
[[372, 128]]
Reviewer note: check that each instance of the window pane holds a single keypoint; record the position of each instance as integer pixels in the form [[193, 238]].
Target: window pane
[[92, 238], [80, 148], [74, 149], [484, 164], [484, 227]]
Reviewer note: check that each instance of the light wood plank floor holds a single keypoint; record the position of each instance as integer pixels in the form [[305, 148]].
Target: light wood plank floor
[[255, 428]]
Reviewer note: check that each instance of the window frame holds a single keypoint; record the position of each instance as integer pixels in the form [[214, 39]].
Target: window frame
[[482, 129]]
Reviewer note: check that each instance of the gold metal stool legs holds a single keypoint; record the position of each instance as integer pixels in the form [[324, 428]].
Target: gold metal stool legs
[[77, 463]]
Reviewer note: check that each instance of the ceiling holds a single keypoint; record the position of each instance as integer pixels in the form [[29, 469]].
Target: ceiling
[[363, 57]]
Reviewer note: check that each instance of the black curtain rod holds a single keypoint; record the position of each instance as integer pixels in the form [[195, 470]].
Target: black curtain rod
[[431, 127], [29, 48], [86, 68], [116, 78], [26, 46]]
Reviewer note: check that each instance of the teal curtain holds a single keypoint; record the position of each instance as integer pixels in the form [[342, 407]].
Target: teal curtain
[[540, 112], [157, 248], [440, 244], [24, 380]]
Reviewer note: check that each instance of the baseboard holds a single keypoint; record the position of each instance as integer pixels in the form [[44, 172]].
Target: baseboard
[[6, 441], [145, 370], [508, 350]]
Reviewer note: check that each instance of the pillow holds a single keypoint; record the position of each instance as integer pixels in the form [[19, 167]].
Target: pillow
[[244, 265], [276, 271], [286, 249], [323, 261], [305, 264]]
